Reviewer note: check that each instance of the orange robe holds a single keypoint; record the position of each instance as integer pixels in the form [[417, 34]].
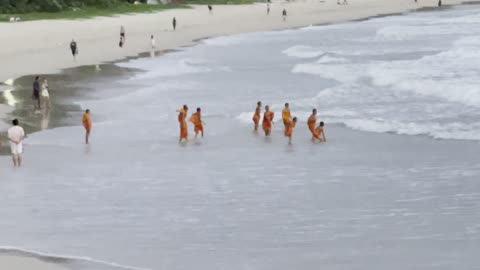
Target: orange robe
[[182, 115], [87, 122], [289, 129], [287, 118], [318, 132], [256, 116], [267, 121], [311, 124], [197, 122]]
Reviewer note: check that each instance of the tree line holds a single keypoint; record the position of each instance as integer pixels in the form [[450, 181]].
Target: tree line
[[25, 6]]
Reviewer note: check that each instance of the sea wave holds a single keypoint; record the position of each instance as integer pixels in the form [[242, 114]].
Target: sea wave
[[301, 51], [67, 259]]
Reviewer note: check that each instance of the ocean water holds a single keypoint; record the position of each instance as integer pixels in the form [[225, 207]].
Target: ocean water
[[395, 187]]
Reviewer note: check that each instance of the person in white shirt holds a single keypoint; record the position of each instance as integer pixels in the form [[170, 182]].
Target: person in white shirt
[[16, 134], [152, 40], [45, 95]]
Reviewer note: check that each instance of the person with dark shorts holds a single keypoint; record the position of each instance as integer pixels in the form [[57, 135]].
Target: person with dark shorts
[[36, 91], [73, 48], [174, 22]]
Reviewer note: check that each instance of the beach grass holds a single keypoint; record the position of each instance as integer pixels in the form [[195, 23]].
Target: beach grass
[[91, 12]]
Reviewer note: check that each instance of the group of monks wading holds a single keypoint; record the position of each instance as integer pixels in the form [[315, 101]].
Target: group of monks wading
[[318, 133]]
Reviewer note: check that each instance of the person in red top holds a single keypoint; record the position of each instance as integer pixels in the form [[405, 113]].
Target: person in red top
[[267, 121]]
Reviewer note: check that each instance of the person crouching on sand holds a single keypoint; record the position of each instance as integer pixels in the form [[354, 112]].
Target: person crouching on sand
[[87, 124], [319, 133], [289, 129]]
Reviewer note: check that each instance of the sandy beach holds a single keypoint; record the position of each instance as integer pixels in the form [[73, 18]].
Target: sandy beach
[[43, 46]]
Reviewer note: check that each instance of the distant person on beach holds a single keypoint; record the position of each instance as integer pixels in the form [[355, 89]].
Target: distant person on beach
[[182, 116], [36, 92], [289, 129], [152, 41], [174, 23], [267, 121], [286, 116], [268, 9], [121, 42], [74, 49], [45, 95], [210, 8], [312, 120], [439, 3], [16, 134], [196, 119], [122, 32], [284, 14], [257, 115], [319, 133], [87, 124]]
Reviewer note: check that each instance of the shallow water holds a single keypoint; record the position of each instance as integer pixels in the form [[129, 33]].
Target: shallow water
[[373, 197]]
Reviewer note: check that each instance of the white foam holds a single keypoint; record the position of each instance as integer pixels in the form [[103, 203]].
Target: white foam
[[301, 51]]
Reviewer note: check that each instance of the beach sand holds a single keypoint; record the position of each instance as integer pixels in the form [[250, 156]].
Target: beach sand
[[11, 262], [43, 46]]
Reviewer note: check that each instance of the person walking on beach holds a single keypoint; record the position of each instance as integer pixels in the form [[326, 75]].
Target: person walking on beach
[[257, 115], [319, 133], [36, 92], [439, 3], [267, 121], [174, 23], [196, 119], [16, 134], [152, 41], [45, 95], [268, 9], [74, 49], [182, 116], [289, 129], [286, 116], [210, 9], [87, 124], [122, 32], [284, 14], [312, 120]]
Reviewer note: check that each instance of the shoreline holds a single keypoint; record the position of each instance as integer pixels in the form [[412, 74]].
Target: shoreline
[[195, 24]]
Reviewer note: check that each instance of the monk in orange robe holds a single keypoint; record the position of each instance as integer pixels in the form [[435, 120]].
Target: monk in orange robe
[[312, 120], [196, 119], [256, 116], [182, 116], [267, 121], [289, 129], [286, 117], [87, 124], [319, 133]]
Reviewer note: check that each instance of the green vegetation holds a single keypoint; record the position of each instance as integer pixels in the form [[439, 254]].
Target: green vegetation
[[80, 9], [89, 12]]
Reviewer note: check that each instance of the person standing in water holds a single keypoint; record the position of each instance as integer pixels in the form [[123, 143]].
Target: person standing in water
[[257, 115], [87, 124], [196, 119], [16, 134], [174, 23], [182, 120], [286, 116], [36, 92], [289, 129], [267, 121], [312, 120], [284, 14], [319, 133], [45, 95], [74, 49]]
